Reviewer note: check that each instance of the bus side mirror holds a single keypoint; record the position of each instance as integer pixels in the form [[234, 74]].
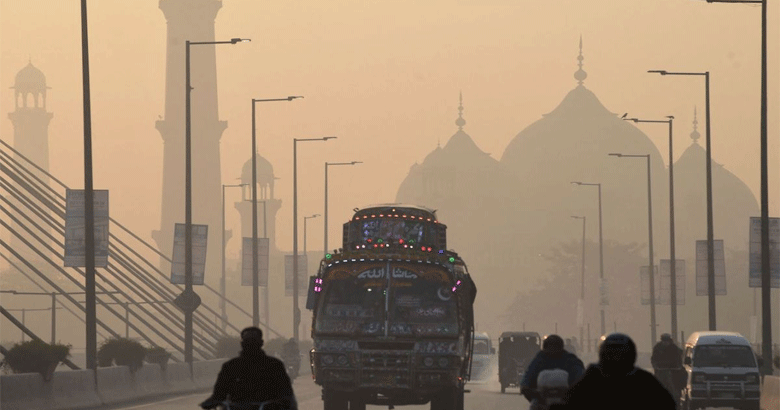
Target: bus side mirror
[[687, 361]]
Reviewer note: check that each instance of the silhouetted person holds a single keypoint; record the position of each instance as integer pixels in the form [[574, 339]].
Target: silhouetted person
[[552, 356], [253, 377], [667, 362], [291, 356], [615, 383]]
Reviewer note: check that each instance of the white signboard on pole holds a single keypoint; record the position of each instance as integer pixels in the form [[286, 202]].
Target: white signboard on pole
[[75, 233], [262, 262], [666, 281], [644, 278], [702, 284], [303, 276], [755, 252], [200, 235]]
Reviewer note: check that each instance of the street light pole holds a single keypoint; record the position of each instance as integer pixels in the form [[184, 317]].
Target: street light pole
[[296, 309], [582, 282], [766, 310], [325, 214], [601, 253], [650, 246], [255, 268], [188, 292], [672, 255], [224, 245]]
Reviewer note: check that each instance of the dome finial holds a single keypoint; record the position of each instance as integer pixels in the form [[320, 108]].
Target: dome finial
[[580, 75], [460, 122], [695, 134]]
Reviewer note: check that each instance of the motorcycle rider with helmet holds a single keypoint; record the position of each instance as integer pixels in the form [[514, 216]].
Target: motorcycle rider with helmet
[[552, 356], [615, 383]]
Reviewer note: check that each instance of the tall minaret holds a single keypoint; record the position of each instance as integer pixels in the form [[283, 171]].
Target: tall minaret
[[191, 20], [31, 131], [30, 119]]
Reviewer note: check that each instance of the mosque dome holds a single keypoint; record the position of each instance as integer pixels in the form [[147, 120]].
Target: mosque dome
[[30, 79], [265, 172]]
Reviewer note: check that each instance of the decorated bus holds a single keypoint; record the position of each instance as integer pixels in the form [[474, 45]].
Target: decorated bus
[[392, 313]]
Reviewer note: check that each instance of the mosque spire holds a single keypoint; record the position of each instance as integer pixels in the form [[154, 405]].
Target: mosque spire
[[460, 122], [695, 134], [580, 75]]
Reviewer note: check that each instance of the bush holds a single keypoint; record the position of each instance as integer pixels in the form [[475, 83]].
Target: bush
[[157, 355], [228, 347], [35, 356], [122, 352]]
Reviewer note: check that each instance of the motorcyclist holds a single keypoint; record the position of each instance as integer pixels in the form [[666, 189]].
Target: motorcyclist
[[667, 362], [552, 356], [291, 355], [253, 377], [615, 383]]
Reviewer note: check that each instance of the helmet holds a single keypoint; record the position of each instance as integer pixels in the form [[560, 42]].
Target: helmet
[[617, 354], [552, 343], [666, 337], [251, 338]]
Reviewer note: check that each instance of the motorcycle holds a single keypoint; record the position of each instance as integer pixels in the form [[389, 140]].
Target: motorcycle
[[292, 365], [551, 386]]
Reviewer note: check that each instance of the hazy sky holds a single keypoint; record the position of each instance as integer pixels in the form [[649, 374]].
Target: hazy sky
[[384, 77]]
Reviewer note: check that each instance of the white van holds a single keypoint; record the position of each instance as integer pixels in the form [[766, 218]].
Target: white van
[[482, 358], [722, 371]]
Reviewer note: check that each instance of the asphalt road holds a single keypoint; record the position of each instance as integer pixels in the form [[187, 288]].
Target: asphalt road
[[485, 396]]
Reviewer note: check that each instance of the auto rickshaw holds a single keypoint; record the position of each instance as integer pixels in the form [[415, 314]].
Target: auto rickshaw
[[515, 352]]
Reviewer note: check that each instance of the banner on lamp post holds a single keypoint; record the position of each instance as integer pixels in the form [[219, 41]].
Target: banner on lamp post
[[755, 252], [603, 292], [75, 231], [199, 242], [262, 262]]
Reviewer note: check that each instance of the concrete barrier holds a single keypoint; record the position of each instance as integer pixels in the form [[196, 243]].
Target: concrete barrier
[[178, 379], [770, 393], [204, 373], [148, 381], [22, 391], [73, 389], [115, 384]]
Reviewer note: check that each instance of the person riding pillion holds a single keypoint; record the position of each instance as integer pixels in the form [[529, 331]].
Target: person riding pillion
[[253, 377], [552, 356]]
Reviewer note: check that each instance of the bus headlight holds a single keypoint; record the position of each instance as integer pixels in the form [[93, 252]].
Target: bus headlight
[[443, 362], [327, 360], [342, 360], [428, 362]]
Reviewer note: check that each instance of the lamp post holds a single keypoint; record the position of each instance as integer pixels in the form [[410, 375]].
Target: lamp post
[[601, 251], [189, 294], [296, 310], [766, 311], [650, 246], [580, 315], [305, 220], [325, 213], [255, 274], [710, 235], [222, 279], [672, 255]]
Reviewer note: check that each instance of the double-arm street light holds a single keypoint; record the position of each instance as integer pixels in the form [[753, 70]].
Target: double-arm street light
[[296, 310], [710, 235], [325, 213], [222, 279], [650, 246], [766, 312], [672, 256], [581, 304], [255, 269], [189, 296], [601, 254]]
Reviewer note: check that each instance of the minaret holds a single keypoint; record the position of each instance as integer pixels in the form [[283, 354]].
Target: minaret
[[30, 119], [695, 134], [31, 131], [265, 192], [191, 20], [580, 75]]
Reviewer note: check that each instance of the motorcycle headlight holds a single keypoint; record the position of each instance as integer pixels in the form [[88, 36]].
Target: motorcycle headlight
[[443, 362], [428, 362], [342, 360], [327, 360]]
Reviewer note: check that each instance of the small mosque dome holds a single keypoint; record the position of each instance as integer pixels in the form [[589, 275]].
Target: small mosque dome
[[265, 172], [30, 79]]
